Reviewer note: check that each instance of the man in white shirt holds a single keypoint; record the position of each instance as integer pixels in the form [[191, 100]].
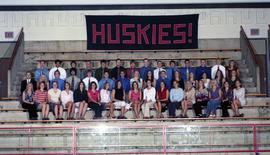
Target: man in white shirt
[[158, 70], [149, 99], [89, 79], [63, 73], [217, 67]]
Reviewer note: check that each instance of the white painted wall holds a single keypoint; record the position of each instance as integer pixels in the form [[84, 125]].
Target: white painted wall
[[70, 25]]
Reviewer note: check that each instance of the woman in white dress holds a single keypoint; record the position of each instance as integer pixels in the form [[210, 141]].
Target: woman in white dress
[[238, 98]]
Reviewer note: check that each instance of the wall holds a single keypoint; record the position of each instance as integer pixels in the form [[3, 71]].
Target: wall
[[70, 25]]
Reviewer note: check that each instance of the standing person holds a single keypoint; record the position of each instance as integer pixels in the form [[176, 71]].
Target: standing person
[[162, 99], [118, 98], [28, 101], [80, 99], [138, 79], [68, 101], [227, 98], [73, 66], [186, 70], [106, 79], [158, 70], [146, 67], [41, 70], [94, 101], [149, 99], [189, 99], [60, 82], [54, 95], [41, 100], [88, 66], [163, 77], [149, 76], [171, 70], [201, 99], [99, 74], [177, 77], [106, 100], [135, 97], [215, 95], [88, 79], [73, 79], [176, 96], [218, 67], [203, 69], [115, 72], [238, 98], [131, 70], [63, 73], [28, 80]]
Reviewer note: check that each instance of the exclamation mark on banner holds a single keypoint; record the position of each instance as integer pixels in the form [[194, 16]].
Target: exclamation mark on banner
[[190, 33]]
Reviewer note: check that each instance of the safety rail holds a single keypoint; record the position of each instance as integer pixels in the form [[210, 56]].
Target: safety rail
[[139, 139]]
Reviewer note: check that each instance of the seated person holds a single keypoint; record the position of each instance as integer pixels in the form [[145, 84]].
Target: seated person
[[215, 95], [206, 81], [232, 79], [41, 100], [227, 98], [105, 99], [176, 96], [177, 77], [60, 82], [219, 78], [54, 95], [28, 101], [149, 99], [189, 99], [238, 98], [94, 101], [201, 96], [73, 79], [67, 101], [80, 99], [162, 99], [63, 73], [192, 79], [118, 99], [135, 97], [45, 80]]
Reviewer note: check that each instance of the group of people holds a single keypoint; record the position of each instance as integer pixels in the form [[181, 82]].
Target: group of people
[[142, 88]]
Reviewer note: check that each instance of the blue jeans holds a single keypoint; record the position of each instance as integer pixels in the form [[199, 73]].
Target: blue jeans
[[212, 106]]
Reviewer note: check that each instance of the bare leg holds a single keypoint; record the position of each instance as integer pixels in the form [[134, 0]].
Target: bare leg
[[85, 105], [60, 111], [56, 111], [46, 110]]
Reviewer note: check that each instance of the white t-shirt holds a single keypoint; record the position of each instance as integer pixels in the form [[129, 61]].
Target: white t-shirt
[[214, 70], [66, 97], [92, 79], [149, 94], [55, 96], [105, 96]]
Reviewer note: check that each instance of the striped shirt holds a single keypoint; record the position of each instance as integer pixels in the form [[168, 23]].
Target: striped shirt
[[41, 96]]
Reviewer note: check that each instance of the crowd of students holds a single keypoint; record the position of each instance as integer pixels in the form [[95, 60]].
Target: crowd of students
[[140, 88]]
